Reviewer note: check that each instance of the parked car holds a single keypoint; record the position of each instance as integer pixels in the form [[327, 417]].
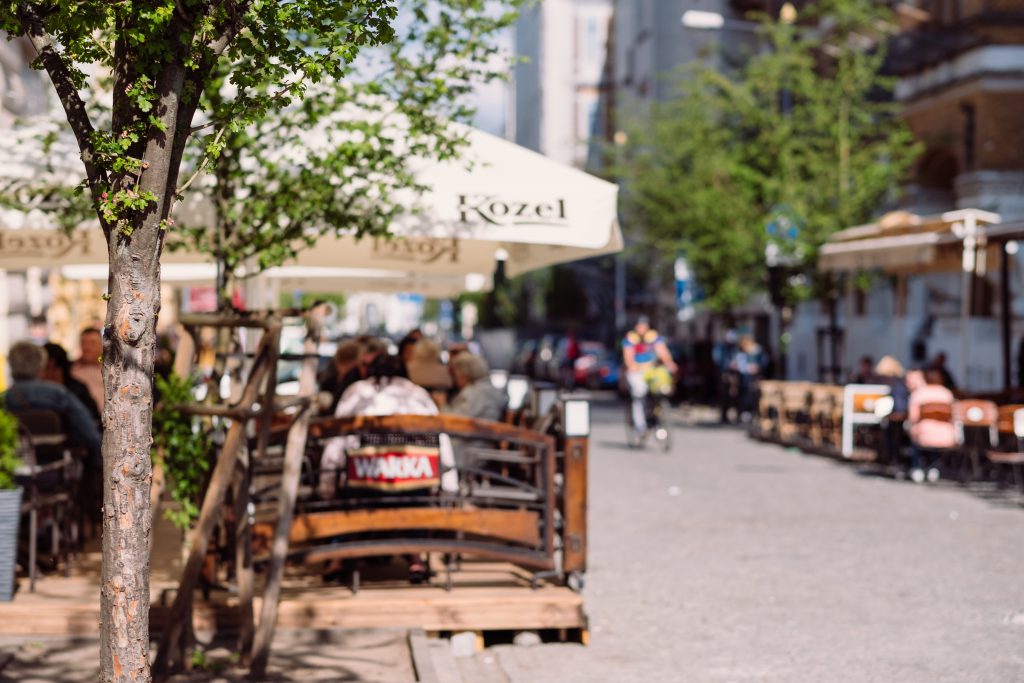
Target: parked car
[[598, 370]]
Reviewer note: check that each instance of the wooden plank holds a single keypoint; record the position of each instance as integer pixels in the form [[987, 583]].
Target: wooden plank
[[453, 425], [422, 659], [432, 609], [574, 506], [294, 450], [517, 526]]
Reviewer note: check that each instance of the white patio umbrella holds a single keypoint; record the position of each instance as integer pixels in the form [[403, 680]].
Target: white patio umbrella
[[497, 200]]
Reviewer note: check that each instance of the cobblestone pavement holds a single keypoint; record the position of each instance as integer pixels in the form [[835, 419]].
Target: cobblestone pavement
[[730, 560]]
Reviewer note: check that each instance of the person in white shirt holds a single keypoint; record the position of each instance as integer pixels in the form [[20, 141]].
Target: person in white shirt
[[384, 392]]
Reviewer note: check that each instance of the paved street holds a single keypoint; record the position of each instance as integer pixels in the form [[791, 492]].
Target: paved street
[[729, 560]]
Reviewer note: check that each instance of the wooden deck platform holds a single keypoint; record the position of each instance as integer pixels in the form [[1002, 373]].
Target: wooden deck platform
[[484, 597]]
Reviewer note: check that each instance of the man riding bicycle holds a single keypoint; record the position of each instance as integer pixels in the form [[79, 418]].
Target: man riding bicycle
[[642, 348]]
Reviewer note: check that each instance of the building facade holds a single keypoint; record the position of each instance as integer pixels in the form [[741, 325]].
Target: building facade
[[559, 80], [960, 65], [960, 81]]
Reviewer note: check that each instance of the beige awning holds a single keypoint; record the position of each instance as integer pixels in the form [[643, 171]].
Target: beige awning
[[904, 242], [885, 253]]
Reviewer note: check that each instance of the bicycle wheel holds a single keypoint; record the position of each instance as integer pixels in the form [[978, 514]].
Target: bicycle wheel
[[633, 438], [662, 429]]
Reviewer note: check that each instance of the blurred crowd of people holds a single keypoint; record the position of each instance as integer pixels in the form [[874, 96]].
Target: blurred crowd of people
[[364, 379]]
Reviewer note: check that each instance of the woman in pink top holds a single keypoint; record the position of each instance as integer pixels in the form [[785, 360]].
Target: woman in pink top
[[927, 436]]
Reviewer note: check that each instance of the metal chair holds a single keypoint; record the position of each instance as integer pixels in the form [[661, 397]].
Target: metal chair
[[938, 412], [50, 475], [1010, 450], [976, 422]]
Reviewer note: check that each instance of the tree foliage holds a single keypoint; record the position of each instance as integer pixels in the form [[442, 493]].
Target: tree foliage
[[802, 139], [344, 158], [9, 441], [182, 447]]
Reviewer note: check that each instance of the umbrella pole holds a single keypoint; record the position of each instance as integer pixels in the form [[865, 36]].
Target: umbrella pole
[[967, 294]]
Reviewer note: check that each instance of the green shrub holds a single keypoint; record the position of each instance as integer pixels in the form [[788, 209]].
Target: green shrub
[[182, 447], [9, 460]]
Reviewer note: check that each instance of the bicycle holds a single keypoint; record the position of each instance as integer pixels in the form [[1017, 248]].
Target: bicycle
[[657, 410]]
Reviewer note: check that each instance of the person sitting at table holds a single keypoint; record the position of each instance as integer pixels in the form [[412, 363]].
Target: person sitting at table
[[425, 367], [370, 349], [87, 369], [406, 345], [31, 392], [385, 391], [864, 374], [345, 359], [928, 436], [58, 370], [889, 372], [477, 397]]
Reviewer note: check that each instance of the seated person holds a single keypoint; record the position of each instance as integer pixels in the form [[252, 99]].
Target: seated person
[[477, 397], [31, 392], [405, 346], [58, 370], [345, 360], [370, 349], [384, 392], [927, 436], [425, 367], [889, 372]]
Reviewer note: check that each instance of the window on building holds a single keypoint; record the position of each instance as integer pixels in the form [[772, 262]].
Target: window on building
[[587, 110], [860, 302], [970, 125], [592, 40], [984, 298]]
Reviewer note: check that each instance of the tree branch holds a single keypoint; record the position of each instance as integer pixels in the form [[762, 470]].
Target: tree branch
[[206, 161], [196, 80], [63, 83]]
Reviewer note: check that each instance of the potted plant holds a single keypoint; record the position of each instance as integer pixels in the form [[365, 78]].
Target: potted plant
[[10, 502]]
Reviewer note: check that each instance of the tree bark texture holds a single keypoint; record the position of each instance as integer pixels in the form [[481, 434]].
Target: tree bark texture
[[129, 348]]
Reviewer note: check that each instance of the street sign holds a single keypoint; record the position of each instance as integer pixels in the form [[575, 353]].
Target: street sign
[[685, 289]]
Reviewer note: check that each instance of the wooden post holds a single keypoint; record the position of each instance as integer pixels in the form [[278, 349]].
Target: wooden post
[[574, 512], [243, 530], [1005, 316], [294, 450], [243, 554], [170, 654]]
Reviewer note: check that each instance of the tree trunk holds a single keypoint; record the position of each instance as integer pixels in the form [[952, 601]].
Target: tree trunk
[[129, 348]]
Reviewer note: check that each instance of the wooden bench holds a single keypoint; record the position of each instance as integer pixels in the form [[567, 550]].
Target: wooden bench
[[794, 418], [504, 510], [769, 408], [826, 415]]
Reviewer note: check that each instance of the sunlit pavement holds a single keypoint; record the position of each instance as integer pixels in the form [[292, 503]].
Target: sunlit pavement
[[730, 560]]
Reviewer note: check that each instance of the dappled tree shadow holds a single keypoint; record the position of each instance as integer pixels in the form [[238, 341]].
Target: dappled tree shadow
[[359, 656]]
